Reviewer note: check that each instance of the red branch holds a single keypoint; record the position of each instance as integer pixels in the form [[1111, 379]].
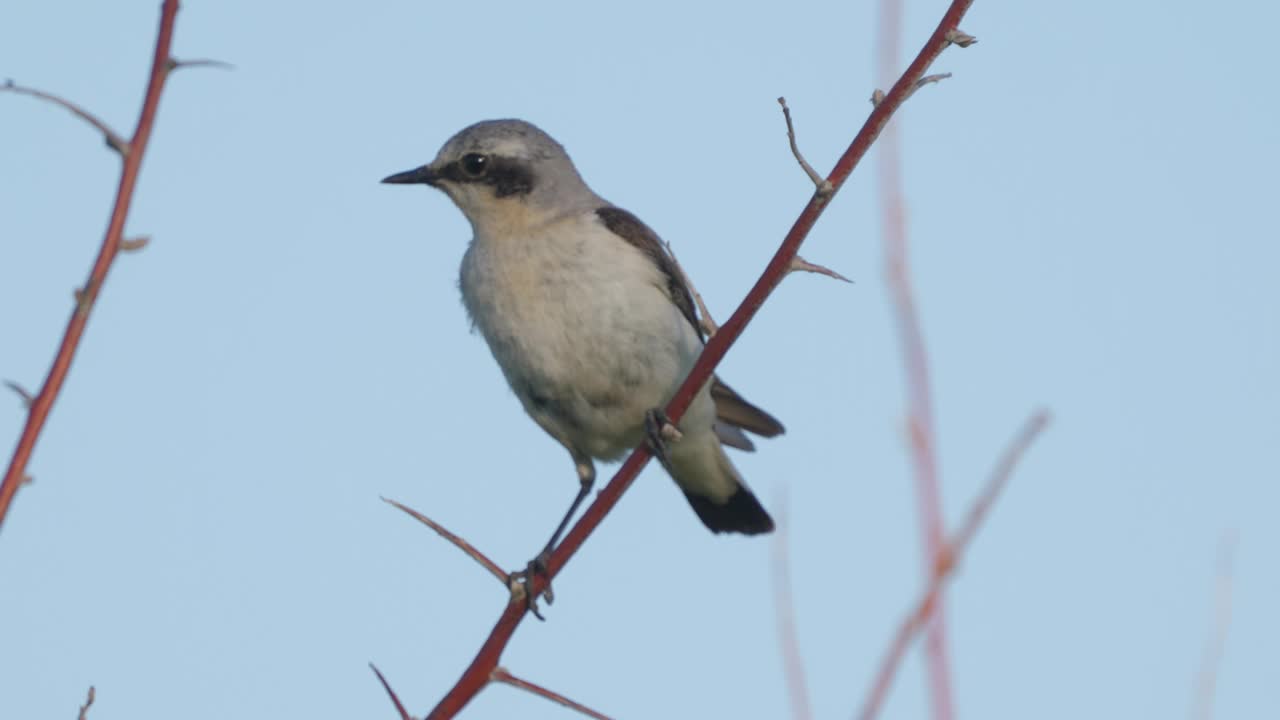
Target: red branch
[[915, 358], [477, 674], [952, 551], [132, 154]]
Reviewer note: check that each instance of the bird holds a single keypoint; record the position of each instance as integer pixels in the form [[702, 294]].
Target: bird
[[590, 319]]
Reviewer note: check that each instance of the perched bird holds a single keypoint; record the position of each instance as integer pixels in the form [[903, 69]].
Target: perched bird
[[589, 317]]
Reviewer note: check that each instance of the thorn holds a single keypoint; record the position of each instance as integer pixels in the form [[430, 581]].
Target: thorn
[[930, 79], [27, 397], [175, 64], [961, 38], [799, 264], [134, 244]]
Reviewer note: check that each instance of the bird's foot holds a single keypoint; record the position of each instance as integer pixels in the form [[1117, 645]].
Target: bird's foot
[[659, 430], [524, 579]]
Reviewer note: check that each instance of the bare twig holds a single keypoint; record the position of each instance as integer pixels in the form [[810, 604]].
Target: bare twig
[[920, 615], [822, 185], [395, 699], [88, 703], [785, 611], [458, 542], [1206, 688], [132, 152], [799, 264], [708, 323], [477, 674], [500, 674], [22, 392], [114, 140]]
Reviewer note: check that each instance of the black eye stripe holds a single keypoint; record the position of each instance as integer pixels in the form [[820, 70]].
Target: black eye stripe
[[506, 176]]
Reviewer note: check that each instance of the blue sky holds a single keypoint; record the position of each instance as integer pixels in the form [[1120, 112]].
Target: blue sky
[[1090, 212]]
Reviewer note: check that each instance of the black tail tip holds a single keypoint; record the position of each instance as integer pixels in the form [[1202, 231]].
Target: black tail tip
[[741, 513]]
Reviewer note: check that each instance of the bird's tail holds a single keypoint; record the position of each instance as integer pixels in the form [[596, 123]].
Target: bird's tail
[[715, 489]]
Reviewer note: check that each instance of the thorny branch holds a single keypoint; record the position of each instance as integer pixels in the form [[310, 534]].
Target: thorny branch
[[955, 548], [132, 152], [478, 673]]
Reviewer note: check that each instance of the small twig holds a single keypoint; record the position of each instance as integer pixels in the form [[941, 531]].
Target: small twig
[[799, 264], [824, 186], [88, 703], [27, 397], [115, 140], [919, 617], [784, 609], [500, 674], [458, 542], [1214, 648], [176, 64], [708, 323], [961, 38], [395, 699]]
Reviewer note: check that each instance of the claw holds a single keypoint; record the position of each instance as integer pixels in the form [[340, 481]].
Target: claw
[[519, 581], [659, 430]]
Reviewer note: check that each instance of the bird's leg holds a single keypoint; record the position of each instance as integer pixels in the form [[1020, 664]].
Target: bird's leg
[[659, 430], [538, 565]]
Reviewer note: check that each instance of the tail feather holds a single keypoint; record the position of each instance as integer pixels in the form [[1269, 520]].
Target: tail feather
[[714, 488], [741, 513]]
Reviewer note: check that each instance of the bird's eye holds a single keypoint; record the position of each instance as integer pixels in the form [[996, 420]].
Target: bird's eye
[[474, 164]]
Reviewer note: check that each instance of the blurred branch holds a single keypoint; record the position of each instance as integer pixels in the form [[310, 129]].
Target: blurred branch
[[500, 674], [132, 153], [785, 611], [477, 674], [915, 357], [1215, 647], [942, 571]]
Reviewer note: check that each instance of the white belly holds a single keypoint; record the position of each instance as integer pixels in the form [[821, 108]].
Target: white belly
[[582, 326]]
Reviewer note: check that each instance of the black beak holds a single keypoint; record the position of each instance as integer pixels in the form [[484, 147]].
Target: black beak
[[418, 176]]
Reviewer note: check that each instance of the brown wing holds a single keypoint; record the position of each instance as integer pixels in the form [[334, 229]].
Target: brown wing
[[638, 235], [731, 409]]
